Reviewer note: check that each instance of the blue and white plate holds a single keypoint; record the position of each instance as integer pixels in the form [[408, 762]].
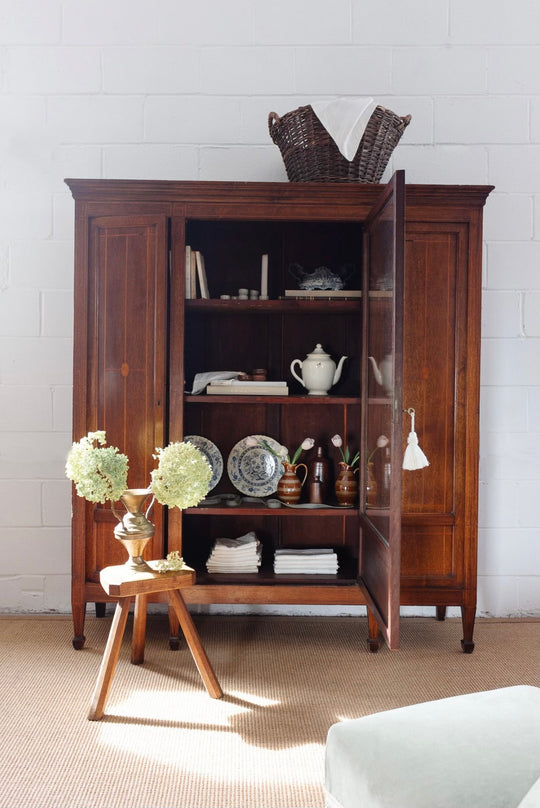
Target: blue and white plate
[[212, 454], [254, 470]]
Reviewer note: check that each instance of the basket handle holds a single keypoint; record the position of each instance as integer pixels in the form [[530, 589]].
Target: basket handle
[[273, 121]]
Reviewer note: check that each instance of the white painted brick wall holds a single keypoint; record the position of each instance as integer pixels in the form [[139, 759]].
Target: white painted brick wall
[[25, 22], [531, 314], [151, 161], [510, 218], [486, 22], [151, 70], [482, 119], [26, 409], [95, 119], [192, 120], [52, 69], [355, 71], [180, 90], [401, 23], [441, 70], [513, 70]]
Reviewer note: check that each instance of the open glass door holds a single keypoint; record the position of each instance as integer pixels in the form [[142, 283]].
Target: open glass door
[[379, 564]]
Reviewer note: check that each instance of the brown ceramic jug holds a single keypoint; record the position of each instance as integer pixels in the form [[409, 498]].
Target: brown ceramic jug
[[289, 486]]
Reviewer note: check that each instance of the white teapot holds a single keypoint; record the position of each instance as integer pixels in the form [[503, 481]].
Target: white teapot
[[319, 371], [383, 373]]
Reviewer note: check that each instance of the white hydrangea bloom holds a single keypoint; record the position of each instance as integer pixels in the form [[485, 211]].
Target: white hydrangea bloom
[[99, 472]]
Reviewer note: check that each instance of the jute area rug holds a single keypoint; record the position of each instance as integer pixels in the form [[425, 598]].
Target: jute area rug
[[164, 743]]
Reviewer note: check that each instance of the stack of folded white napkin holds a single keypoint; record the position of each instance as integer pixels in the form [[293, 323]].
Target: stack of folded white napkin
[[307, 562], [235, 555]]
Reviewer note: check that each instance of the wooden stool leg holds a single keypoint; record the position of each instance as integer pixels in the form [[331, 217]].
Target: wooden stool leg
[[139, 630], [110, 658], [174, 630], [195, 644]]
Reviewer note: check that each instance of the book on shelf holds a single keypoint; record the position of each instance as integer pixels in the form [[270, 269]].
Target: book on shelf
[[247, 389], [258, 383], [190, 274], [193, 274], [323, 294], [201, 272]]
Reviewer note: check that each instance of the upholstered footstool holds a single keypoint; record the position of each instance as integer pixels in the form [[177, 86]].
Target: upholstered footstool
[[480, 750]]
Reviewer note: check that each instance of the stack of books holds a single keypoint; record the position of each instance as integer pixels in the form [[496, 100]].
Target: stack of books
[[195, 270], [322, 294], [235, 555], [237, 387], [312, 561]]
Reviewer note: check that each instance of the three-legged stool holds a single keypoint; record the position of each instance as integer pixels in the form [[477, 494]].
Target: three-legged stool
[[124, 583]]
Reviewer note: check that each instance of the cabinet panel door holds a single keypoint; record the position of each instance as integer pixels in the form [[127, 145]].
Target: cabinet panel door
[[125, 385], [381, 517], [437, 352]]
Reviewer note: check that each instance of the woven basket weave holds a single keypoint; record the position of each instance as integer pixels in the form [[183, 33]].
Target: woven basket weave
[[311, 155]]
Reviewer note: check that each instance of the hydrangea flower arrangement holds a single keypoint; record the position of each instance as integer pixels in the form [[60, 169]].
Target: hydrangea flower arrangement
[[182, 477], [99, 472]]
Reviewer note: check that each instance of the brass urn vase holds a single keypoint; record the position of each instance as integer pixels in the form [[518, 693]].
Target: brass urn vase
[[134, 530]]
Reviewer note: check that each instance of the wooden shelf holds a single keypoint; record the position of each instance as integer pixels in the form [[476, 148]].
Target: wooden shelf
[[264, 510], [346, 576], [386, 401], [381, 293], [286, 306], [303, 400]]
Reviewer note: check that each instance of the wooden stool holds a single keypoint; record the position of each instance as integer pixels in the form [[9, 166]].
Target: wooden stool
[[125, 583]]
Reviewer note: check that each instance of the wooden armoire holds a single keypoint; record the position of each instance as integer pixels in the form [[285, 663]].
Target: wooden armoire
[[414, 259]]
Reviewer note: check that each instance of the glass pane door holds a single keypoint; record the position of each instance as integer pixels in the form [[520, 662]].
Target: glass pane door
[[382, 410]]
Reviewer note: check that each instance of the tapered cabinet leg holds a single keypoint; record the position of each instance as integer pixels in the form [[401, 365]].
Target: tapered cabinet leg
[[373, 638], [195, 645], [79, 613], [110, 658], [441, 613], [139, 630], [468, 614]]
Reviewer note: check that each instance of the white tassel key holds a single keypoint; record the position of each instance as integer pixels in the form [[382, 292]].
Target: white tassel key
[[414, 458]]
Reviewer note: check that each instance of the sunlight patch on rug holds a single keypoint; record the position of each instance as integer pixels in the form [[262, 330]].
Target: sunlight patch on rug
[[171, 727]]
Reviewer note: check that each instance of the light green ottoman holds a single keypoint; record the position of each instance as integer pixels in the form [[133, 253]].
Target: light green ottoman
[[481, 750]]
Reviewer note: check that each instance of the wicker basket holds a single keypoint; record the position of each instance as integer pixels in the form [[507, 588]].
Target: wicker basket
[[311, 155]]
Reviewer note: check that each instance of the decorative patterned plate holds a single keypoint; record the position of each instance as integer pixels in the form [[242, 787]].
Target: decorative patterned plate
[[254, 470], [212, 454]]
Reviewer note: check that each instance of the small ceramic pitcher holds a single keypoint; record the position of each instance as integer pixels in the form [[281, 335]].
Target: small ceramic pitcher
[[289, 486], [346, 486]]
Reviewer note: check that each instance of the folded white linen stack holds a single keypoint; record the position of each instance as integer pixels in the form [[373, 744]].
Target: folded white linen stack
[[235, 555], [306, 562]]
